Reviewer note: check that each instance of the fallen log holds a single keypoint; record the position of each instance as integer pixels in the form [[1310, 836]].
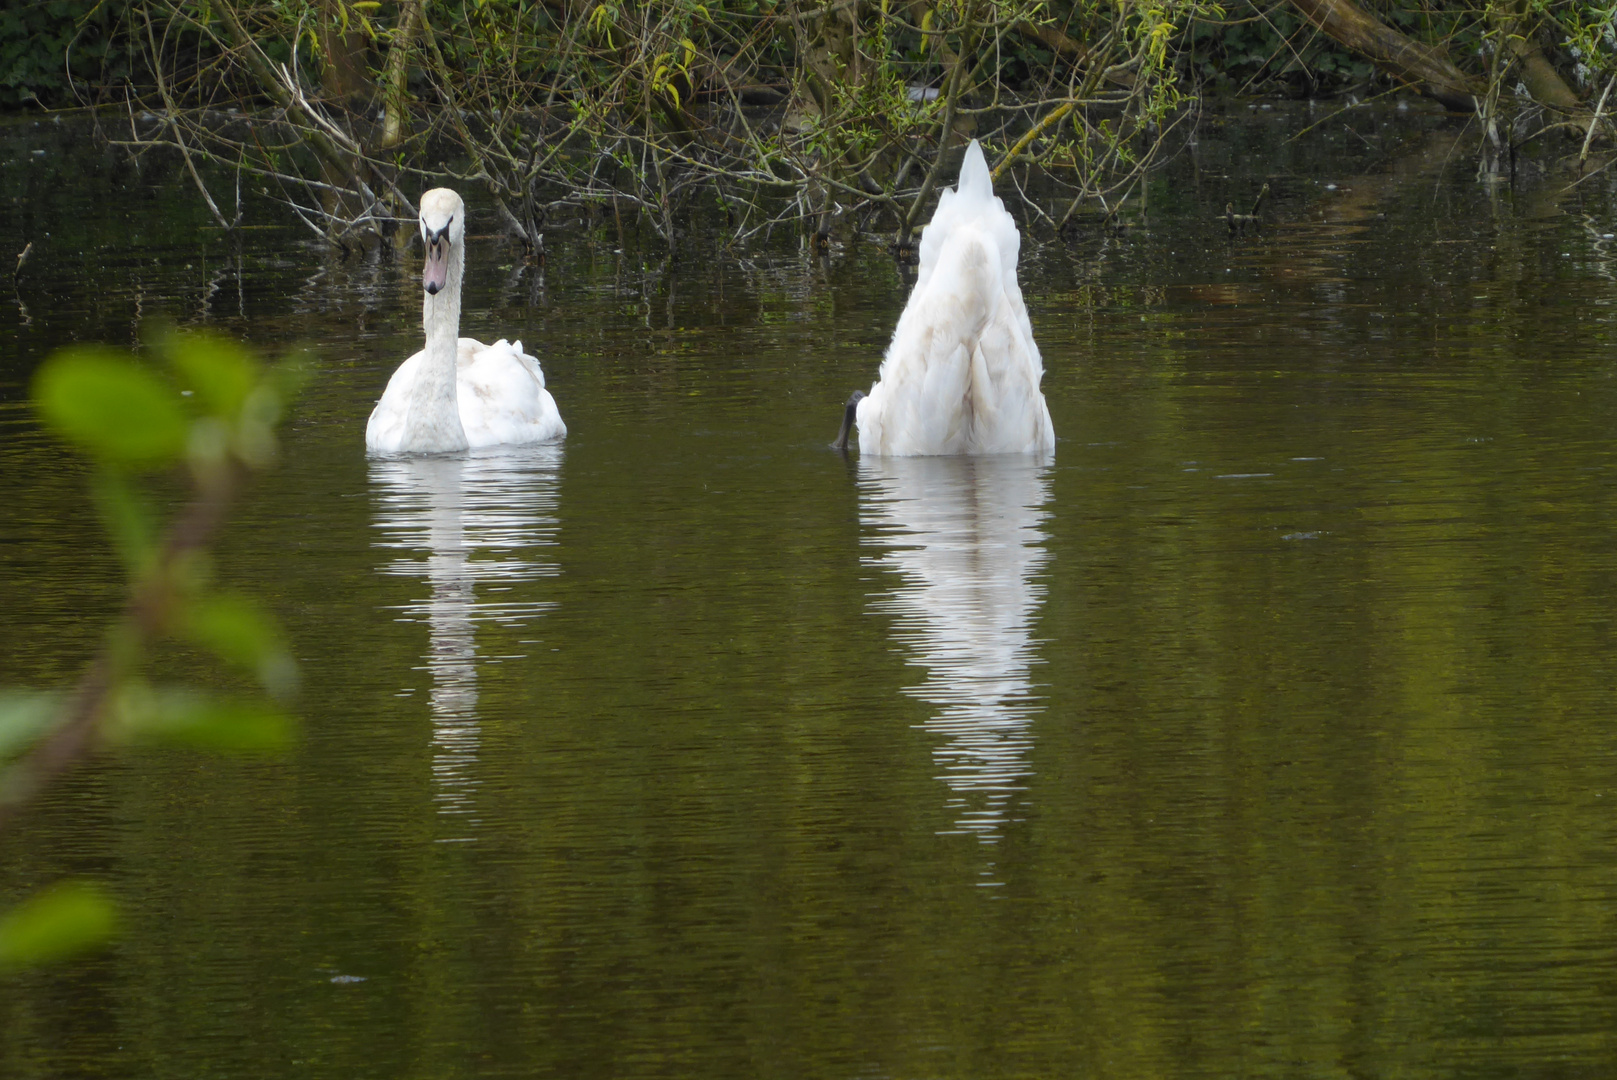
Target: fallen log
[[1543, 82], [1423, 68]]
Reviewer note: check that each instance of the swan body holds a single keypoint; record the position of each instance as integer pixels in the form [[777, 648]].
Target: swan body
[[457, 393], [962, 373]]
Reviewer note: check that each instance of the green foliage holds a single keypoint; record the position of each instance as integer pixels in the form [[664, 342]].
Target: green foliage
[[189, 717], [214, 410], [1251, 48], [1587, 36], [41, 41], [1255, 47], [513, 54], [24, 716], [68, 918], [636, 103], [116, 411]]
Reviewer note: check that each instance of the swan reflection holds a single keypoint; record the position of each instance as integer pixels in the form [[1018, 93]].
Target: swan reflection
[[963, 535], [476, 519]]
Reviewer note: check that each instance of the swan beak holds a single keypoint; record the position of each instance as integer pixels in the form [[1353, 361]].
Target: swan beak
[[436, 273]]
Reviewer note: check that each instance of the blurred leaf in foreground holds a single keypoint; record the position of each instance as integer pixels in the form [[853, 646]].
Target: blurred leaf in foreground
[[195, 718], [24, 715], [220, 371], [240, 631], [66, 919], [131, 419], [117, 411]]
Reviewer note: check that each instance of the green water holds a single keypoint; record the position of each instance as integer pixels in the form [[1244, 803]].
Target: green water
[[1266, 731]]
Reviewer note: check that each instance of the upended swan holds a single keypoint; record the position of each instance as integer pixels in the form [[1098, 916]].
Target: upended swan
[[458, 393], [961, 375]]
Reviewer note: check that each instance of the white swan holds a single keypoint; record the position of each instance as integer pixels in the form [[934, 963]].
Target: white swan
[[961, 375], [457, 392]]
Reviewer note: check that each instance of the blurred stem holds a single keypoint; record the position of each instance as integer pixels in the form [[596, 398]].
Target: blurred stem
[[76, 733]]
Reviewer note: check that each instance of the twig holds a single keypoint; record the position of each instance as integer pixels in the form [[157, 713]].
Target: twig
[[179, 140], [1595, 123], [906, 228], [1032, 133]]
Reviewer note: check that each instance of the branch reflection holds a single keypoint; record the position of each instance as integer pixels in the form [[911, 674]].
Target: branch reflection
[[964, 537], [477, 517]]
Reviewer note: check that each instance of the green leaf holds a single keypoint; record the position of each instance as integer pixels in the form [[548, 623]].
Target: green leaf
[[101, 400], [196, 719], [239, 631], [128, 519], [65, 919], [24, 716], [221, 372], [265, 407]]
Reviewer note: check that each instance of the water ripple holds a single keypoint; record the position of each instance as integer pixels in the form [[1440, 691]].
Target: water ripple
[[964, 537], [478, 518]]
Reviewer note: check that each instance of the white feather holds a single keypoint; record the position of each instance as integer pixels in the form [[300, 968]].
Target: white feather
[[458, 393], [962, 373], [502, 395]]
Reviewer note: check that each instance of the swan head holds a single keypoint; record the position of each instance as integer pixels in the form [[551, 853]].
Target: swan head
[[443, 229]]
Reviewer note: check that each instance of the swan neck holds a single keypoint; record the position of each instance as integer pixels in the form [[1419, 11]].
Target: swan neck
[[440, 313], [435, 408]]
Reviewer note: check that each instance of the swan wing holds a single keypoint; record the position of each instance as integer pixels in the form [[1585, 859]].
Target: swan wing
[[502, 396], [1008, 407], [923, 400]]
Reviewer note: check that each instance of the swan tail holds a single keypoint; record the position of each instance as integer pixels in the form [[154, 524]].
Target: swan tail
[[1011, 415], [517, 353], [962, 374], [924, 401], [971, 205], [976, 184]]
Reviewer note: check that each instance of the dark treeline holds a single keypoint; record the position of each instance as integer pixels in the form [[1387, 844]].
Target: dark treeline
[[812, 110]]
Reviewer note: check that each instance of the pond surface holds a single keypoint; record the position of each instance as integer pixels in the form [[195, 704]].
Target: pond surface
[[1268, 731]]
